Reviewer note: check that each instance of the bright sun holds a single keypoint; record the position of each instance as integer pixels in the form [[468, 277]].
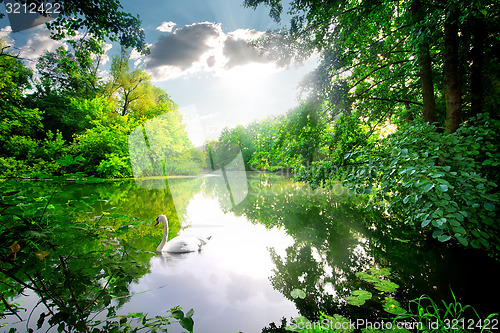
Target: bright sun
[[250, 80]]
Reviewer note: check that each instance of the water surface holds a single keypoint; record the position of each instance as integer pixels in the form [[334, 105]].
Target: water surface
[[282, 236]]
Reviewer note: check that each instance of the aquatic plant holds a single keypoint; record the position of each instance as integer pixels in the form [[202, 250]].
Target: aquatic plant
[[449, 317], [379, 279], [423, 313]]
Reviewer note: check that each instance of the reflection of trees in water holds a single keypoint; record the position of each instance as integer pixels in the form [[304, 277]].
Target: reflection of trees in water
[[75, 267], [329, 244], [125, 198], [333, 241], [79, 263]]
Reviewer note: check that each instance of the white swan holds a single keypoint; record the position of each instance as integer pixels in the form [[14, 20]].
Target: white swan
[[179, 244]]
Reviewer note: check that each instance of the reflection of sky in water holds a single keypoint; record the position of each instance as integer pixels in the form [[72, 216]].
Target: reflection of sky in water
[[227, 283]]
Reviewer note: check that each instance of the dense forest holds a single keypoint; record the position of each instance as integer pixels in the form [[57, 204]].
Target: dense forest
[[69, 112]]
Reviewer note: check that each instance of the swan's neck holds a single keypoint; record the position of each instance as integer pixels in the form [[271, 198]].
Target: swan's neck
[[164, 239]]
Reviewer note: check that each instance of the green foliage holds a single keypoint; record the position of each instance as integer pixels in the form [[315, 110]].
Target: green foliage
[[325, 324], [52, 145], [379, 279], [71, 114], [22, 146], [166, 148], [68, 73], [359, 297], [10, 167], [244, 138], [298, 293], [267, 155], [101, 20], [302, 133], [441, 183], [424, 315], [130, 90], [392, 306], [381, 58], [348, 134], [49, 254], [98, 144], [30, 157], [114, 166], [15, 118], [276, 143], [136, 322]]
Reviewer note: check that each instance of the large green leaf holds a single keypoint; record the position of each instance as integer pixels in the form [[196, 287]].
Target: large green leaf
[[386, 286]]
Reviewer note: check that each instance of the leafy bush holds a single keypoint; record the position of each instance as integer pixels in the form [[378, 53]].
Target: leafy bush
[[349, 132], [22, 147], [10, 167], [114, 166], [52, 146], [437, 182], [97, 143], [32, 157]]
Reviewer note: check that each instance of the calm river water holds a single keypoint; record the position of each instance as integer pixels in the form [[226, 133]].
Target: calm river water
[[269, 237]]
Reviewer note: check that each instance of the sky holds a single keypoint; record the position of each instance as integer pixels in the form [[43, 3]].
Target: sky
[[200, 56]]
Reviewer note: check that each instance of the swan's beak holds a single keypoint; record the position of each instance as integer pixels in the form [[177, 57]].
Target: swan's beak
[[157, 221]]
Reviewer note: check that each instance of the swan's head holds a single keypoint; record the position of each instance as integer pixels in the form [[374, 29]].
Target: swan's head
[[161, 218]]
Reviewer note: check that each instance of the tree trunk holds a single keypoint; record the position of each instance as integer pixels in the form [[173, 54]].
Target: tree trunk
[[451, 80], [125, 104], [427, 84], [477, 78], [425, 63]]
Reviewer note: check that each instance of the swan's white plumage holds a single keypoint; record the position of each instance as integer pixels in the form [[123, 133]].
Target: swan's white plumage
[[179, 244]]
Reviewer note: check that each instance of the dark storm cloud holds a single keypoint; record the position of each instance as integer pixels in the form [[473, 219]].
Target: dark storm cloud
[[183, 47], [239, 52], [204, 44]]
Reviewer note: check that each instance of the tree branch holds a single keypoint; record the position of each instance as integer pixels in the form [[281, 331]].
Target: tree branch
[[395, 100]]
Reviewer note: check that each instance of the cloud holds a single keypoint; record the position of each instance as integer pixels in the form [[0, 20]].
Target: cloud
[[166, 27], [105, 58], [246, 34], [5, 34], [239, 52], [38, 44], [200, 47], [183, 47]]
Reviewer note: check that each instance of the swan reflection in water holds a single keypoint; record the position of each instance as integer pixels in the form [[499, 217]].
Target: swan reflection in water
[[179, 244], [174, 259]]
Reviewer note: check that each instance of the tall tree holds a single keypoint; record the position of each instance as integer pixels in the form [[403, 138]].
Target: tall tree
[[129, 88], [386, 58], [73, 73], [425, 64], [450, 70]]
